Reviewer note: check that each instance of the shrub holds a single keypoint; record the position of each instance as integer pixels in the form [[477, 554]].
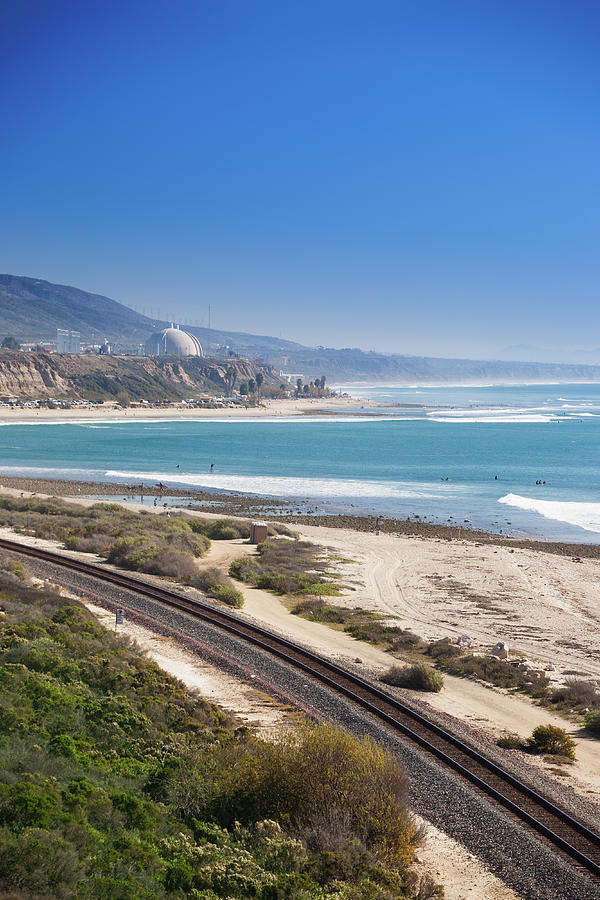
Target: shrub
[[591, 721], [419, 677], [578, 693], [553, 740], [324, 779], [244, 570], [229, 595], [172, 564], [214, 583], [219, 529], [318, 611], [510, 742], [285, 567], [487, 668], [442, 650]]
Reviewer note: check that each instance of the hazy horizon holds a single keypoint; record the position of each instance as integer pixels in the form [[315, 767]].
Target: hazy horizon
[[414, 180]]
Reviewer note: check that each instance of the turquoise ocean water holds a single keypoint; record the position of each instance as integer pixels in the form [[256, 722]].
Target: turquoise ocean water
[[434, 453]]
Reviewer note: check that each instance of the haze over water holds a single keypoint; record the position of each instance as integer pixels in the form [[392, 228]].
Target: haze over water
[[436, 457]]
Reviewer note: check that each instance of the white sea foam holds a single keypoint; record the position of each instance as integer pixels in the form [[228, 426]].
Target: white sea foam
[[487, 419], [283, 486], [584, 515], [221, 420], [69, 474]]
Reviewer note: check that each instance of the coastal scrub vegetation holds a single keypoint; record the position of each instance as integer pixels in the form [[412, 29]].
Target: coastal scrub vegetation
[[140, 542], [419, 677], [591, 721], [576, 697], [362, 624], [455, 661], [115, 782], [552, 740], [287, 567]]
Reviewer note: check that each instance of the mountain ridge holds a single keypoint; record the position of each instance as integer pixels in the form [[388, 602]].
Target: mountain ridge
[[32, 308]]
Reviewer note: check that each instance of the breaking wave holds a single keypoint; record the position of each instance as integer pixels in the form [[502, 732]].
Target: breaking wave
[[583, 515]]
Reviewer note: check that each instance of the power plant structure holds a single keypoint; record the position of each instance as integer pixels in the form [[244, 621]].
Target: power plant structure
[[173, 342]]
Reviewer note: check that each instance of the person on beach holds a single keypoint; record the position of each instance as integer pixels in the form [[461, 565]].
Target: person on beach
[[212, 465]]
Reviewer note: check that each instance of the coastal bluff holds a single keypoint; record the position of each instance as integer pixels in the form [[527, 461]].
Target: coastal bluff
[[35, 376]]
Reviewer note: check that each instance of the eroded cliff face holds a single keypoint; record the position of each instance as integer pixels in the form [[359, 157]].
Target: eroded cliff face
[[36, 376], [28, 375]]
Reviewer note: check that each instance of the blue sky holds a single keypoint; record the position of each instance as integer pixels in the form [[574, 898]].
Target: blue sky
[[410, 177]]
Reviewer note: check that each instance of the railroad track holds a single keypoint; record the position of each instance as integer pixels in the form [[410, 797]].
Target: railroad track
[[573, 838]]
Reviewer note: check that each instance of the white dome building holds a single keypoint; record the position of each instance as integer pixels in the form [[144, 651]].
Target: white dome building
[[173, 342]]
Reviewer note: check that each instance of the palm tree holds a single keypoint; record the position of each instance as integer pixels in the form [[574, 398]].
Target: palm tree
[[230, 377], [259, 380]]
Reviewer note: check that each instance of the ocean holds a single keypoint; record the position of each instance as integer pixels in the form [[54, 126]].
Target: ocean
[[517, 459]]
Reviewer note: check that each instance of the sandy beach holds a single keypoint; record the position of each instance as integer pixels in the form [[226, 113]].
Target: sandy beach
[[110, 411], [543, 605]]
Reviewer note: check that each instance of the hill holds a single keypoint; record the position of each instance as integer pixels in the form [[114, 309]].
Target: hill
[[37, 376], [354, 365], [32, 309]]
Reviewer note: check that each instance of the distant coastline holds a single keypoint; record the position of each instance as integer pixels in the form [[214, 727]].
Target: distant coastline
[[112, 412]]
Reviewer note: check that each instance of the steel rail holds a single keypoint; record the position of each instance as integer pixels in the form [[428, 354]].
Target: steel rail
[[337, 678]]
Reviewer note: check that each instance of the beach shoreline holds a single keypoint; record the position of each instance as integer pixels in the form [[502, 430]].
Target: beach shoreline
[[541, 605], [246, 506], [113, 412]]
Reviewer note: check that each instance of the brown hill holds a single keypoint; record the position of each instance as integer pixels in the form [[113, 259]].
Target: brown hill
[[37, 376]]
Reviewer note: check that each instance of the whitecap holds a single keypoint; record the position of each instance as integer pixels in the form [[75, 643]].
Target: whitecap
[[285, 486], [488, 419], [582, 514]]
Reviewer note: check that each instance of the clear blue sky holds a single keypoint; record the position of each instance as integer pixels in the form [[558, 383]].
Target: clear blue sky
[[408, 176]]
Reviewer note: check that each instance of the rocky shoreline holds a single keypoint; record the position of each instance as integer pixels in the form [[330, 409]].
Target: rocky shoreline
[[284, 511]]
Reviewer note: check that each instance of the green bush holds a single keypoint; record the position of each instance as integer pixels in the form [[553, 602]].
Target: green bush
[[220, 529], [510, 742], [419, 677], [244, 569], [214, 583], [552, 740], [286, 567], [454, 661], [362, 624], [229, 595], [116, 782], [591, 721], [332, 786]]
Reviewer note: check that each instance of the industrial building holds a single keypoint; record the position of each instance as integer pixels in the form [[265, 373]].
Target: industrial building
[[173, 342], [68, 341]]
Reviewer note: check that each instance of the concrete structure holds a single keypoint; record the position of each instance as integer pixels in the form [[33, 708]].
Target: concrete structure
[[173, 342], [291, 377]]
